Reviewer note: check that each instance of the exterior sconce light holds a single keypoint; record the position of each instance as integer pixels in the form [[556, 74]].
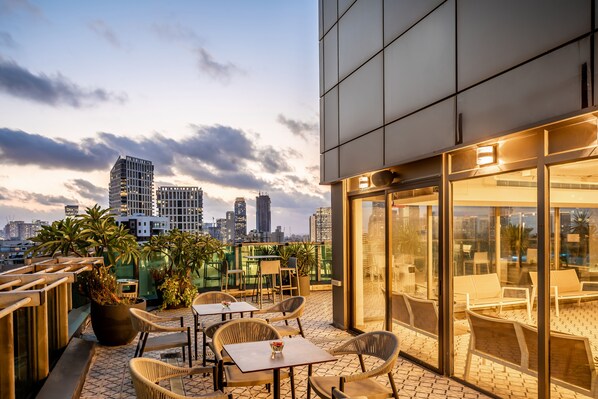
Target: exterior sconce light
[[486, 155], [364, 182]]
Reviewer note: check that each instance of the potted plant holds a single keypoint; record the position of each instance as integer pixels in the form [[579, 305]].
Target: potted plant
[[95, 233], [306, 260], [185, 253]]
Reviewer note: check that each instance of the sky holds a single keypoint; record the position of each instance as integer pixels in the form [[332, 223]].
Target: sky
[[218, 94]]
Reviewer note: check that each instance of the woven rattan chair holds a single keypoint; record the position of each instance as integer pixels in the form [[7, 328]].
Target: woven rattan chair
[[146, 323], [381, 344], [208, 332], [146, 373], [338, 394], [291, 308], [238, 331], [205, 298]]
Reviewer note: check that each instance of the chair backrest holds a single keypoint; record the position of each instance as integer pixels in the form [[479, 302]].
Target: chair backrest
[[146, 372], [210, 330], [464, 285], [292, 262], [399, 310], [143, 321], [499, 338], [534, 277], [213, 297], [270, 267], [571, 359], [532, 255], [381, 344], [566, 280], [480, 257], [424, 313], [243, 330], [295, 304], [487, 285]]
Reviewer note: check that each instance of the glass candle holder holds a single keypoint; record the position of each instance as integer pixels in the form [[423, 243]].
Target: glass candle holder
[[225, 304], [276, 347]]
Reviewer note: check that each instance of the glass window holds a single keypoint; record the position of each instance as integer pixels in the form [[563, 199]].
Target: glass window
[[574, 278], [414, 265], [368, 224], [494, 253]]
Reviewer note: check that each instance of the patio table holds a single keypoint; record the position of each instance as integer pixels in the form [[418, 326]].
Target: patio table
[[257, 356]]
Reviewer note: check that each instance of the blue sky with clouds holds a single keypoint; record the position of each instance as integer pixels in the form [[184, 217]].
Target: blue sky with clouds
[[219, 94]]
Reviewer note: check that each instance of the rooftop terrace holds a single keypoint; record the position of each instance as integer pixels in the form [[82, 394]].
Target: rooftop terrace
[[108, 376]]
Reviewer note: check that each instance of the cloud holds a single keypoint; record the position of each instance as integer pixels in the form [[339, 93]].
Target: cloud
[[175, 32], [217, 70], [298, 128], [88, 190], [105, 32], [21, 148], [22, 196], [6, 40], [13, 6], [50, 90]]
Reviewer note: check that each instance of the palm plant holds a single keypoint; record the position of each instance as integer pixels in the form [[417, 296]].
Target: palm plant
[[93, 233], [306, 258]]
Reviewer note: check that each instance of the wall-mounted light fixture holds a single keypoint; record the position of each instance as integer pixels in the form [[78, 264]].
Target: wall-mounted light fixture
[[364, 182], [486, 155]]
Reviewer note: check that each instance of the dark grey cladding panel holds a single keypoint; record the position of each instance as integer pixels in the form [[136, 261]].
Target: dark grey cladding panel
[[330, 59], [493, 36], [400, 15], [331, 119], [362, 155], [343, 6], [360, 101], [322, 125], [359, 35], [329, 14], [321, 67], [423, 133], [419, 67], [331, 165], [542, 89]]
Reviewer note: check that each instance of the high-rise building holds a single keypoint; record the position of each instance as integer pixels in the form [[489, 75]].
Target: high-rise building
[[320, 225], [71, 210], [131, 188], [183, 206], [240, 219], [263, 215], [278, 235], [230, 227], [19, 230]]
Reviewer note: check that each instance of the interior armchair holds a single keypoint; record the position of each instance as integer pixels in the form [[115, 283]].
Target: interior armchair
[[290, 309], [146, 323], [381, 344], [147, 374]]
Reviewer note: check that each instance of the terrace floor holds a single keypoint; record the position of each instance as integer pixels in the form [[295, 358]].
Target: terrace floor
[[108, 376]]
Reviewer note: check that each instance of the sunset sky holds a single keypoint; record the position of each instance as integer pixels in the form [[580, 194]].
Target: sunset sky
[[217, 94]]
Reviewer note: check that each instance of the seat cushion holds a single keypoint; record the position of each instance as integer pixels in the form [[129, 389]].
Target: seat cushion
[[165, 341], [285, 330], [369, 388], [236, 378]]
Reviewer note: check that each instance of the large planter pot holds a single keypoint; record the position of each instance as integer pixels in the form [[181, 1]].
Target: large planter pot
[[112, 323], [304, 285]]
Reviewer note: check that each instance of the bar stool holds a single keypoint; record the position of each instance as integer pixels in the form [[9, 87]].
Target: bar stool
[[291, 271], [268, 268], [127, 288], [239, 278]]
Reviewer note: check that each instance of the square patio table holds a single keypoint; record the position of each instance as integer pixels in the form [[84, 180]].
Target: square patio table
[[209, 309], [257, 356]]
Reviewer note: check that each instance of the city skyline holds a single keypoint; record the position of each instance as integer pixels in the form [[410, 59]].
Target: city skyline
[[223, 97]]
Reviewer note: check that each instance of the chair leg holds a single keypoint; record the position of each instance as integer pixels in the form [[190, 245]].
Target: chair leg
[[395, 393], [292, 377], [138, 344], [143, 344], [309, 371], [189, 348], [204, 349], [195, 321]]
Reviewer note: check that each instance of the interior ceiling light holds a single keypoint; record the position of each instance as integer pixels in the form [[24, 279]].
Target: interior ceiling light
[[364, 182], [486, 155]]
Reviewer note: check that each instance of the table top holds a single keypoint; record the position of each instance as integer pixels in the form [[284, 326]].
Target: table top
[[207, 309], [258, 257], [257, 356]]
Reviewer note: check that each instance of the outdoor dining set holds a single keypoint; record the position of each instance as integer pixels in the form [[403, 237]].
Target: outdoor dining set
[[249, 346]]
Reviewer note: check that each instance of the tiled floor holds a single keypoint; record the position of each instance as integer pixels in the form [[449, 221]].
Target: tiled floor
[[108, 376]]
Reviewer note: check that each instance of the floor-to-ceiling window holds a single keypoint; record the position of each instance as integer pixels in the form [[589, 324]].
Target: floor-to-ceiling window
[[494, 250], [573, 278], [368, 235], [414, 269]]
